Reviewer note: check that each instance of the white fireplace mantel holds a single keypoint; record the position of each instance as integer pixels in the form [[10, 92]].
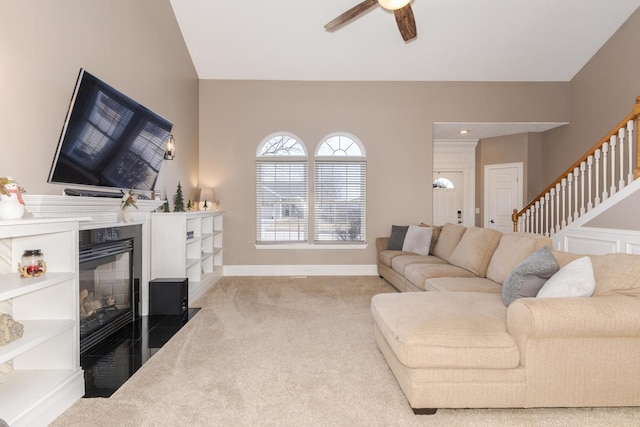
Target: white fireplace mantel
[[103, 211]]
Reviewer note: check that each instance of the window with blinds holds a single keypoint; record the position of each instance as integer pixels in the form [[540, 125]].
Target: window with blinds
[[340, 172], [281, 191]]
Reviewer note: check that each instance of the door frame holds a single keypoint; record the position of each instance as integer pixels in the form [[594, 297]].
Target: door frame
[[520, 187], [458, 156]]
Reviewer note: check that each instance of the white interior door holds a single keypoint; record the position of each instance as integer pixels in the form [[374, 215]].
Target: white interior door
[[448, 198], [503, 189]]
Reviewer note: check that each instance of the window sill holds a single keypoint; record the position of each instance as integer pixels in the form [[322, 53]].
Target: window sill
[[306, 246]]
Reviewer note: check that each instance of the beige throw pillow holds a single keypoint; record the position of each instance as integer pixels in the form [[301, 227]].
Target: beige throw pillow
[[449, 238], [475, 249]]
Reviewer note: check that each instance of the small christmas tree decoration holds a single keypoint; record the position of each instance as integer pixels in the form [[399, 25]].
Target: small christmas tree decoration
[[189, 205], [178, 200], [165, 206]]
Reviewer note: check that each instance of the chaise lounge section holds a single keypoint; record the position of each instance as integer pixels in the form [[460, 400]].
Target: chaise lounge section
[[463, 341]]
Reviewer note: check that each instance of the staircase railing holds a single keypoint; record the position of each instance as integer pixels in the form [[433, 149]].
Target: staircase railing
[[605, 169]]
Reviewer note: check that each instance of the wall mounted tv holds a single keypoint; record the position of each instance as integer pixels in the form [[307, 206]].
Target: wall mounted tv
[[108, 140]]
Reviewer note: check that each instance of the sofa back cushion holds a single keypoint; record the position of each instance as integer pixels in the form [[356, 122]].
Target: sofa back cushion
[[511, 251], [449, 237], [615, 274], [475, 249]]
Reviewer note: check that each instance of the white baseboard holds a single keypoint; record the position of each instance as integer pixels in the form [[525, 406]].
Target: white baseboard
[[301, 270]]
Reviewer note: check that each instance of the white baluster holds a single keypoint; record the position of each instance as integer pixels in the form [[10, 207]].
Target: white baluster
[[551, 221], [630, 149], [536, 219], [612, 144], [605, 150], [527, 226], [621, 136], [543, 214], [520, 223], [583, 166], [576, 174], [558, 208], [569, 182], [564, 202], [589, 181], [597, 195]]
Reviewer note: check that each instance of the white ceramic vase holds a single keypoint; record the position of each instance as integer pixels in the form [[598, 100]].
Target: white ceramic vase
[[10, 207]]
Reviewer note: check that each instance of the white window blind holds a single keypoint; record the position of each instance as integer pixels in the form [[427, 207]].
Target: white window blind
[[281, 201], [340, 201]]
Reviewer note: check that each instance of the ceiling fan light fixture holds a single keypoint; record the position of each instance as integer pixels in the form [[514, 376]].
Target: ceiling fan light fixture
[[393, 4]]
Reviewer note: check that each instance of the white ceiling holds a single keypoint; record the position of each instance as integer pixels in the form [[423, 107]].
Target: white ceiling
[[458, 40]]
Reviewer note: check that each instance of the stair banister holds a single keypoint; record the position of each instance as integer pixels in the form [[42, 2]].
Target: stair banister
[[577, 169]]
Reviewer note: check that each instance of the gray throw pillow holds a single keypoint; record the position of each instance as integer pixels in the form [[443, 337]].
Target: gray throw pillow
[[396, 240], [529, 276]]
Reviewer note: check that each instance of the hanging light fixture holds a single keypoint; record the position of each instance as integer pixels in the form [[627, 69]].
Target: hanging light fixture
[[170, 154], [393, 4]]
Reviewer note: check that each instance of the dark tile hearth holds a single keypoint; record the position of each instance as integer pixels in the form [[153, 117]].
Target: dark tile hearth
[[110, 363]]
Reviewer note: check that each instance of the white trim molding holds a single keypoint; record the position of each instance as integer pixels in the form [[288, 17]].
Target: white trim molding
[[598, 241]]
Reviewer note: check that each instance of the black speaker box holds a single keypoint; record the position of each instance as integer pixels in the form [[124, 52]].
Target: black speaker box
[[169, 297]]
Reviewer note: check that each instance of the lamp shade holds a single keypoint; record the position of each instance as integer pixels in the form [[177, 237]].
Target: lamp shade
[[170, 152], [207, 195], [393, 4]]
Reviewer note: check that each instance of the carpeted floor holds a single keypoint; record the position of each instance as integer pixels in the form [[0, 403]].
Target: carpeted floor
[[279, 351]]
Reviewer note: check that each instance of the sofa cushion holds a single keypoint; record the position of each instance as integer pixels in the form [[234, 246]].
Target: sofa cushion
[[529, 276], [575, 279], [396, 240], [511, 251], [616, 274], [418, 240], [449, 238], [400, 263], [475, 249], [434, 235], [418, 273], [385, 257], [462, 284], [446, 329]]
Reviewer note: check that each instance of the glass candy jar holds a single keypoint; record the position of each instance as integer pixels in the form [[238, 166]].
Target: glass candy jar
[[32, 264]]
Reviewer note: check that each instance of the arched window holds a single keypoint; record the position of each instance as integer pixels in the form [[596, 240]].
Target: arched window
[[281, 190], [442, 182], [340, 190]]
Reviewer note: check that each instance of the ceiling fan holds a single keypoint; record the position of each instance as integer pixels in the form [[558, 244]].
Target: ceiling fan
[[401, 9]]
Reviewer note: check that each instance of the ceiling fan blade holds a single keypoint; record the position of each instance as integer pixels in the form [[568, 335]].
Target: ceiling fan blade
[[406, 22], [350, 14]]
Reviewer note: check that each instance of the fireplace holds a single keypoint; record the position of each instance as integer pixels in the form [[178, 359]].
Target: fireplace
[[110, 264]]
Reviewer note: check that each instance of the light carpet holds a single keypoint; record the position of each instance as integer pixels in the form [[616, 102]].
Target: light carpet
[[279, 351]]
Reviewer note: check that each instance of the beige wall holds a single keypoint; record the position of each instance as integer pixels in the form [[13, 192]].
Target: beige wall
[[602, 94], [394, 120], [136, 46]]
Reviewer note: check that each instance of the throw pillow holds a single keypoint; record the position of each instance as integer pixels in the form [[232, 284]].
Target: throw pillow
[[418, 240], [529, 276], [396, 240], [575, 279]]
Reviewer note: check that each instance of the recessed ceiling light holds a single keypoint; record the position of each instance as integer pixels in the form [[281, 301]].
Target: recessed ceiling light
[[464, 131]]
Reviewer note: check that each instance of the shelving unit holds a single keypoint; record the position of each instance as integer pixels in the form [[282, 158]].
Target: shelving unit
[[187, 244], [42, 369]]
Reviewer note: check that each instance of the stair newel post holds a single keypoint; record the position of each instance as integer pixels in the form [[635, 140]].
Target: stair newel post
[[564, 202], [630, 149], [536, 219], [612, 145], [605, 150], [558, 207], [514, 220], [597, 180], [589, 181]]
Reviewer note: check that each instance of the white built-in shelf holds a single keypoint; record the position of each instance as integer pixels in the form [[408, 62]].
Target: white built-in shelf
[[197, 258]]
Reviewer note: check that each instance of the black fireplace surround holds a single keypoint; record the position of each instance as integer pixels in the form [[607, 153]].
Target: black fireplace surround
[[110, 268]]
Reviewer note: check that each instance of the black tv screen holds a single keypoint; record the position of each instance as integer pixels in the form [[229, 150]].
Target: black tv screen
[[109, 140]]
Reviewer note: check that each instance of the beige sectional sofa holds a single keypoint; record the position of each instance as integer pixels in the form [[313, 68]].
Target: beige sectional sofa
[[458, 345]]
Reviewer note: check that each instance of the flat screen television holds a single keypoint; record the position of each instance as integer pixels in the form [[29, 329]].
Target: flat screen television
[[109, 140]]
